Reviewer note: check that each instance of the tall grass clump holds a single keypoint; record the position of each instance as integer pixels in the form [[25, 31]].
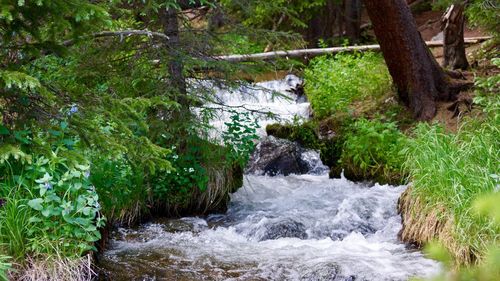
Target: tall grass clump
[[489, 267], [4, 267], [332, 84], [450, 171]]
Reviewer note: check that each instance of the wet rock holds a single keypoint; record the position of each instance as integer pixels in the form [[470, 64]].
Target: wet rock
[[285, 228], [326, 272], [299, 92], [275, 156]]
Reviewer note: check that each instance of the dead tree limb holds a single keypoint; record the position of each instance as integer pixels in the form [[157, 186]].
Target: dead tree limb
[[309, 53], [121, 34]]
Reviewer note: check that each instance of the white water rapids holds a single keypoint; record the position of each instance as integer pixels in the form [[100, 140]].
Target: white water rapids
[[299, 227]]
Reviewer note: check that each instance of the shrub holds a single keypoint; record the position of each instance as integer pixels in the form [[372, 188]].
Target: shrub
[[61, 203], [50, 207], [121, 187], [204, 173], [332, 84], [372, 151]]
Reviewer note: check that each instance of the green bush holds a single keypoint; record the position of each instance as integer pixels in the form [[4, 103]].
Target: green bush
[[175, 188], [194, 162], [372, 150], [121, 187], [51, 208], [332, 84]]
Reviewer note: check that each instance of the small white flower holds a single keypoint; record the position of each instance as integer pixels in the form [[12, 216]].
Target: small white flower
[[191, 170], [175, 157]]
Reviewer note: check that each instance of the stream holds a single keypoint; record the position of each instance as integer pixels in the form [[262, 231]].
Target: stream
[[296, 227]]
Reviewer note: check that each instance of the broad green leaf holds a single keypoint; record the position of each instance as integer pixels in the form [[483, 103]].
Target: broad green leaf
[[36, 204]]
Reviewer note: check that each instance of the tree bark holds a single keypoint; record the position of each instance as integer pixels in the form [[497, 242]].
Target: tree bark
[[419, 79], [216, 18], [324, 23], [453, 32], [352, 15], [168, 18]]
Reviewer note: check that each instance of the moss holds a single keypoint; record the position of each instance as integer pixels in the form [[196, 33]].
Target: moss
[[379, 175], [330, 137], [308, 136], [304, 134]]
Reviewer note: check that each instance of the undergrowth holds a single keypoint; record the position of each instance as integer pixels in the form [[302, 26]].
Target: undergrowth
[[332, 84], [371, 151]]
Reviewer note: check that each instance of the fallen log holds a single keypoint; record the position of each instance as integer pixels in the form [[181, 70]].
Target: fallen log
[[310, 53]]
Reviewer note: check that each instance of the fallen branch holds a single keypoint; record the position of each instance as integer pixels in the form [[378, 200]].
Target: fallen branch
[[309, 53], [121, 34]]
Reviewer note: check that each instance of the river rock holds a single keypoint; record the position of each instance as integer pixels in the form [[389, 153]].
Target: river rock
[[326, 272], [284, 228], [275, 156]]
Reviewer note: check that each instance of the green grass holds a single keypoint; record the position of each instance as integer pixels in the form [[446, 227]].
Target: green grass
[[14, 227], [4, 267], [453, 170], [333, 84]]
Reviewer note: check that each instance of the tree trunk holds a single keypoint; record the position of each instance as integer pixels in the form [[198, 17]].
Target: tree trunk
[[453, 31], [418, 77], [352, 16], [168, 18], [217, 18], [323, 23]]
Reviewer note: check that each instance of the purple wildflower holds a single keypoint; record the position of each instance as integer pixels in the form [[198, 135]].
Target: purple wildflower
[[73, 109]]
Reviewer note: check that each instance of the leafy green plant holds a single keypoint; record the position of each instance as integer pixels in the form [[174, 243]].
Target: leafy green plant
[[66, 207], [332, 84], [121, 187], [176, 186], [51, 206], [372, 151], [240, 138]]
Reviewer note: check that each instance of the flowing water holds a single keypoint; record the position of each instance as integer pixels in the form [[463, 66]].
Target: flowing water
[[299, 227]]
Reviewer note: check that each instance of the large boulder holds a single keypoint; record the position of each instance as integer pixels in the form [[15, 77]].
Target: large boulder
[[274, 156]]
